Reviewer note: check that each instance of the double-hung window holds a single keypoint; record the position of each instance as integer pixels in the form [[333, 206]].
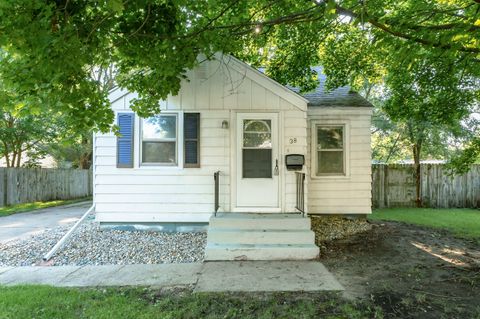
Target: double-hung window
[[159, 140], [330, 150]]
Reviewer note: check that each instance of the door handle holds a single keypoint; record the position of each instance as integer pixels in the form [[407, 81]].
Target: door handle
[[275, 170]]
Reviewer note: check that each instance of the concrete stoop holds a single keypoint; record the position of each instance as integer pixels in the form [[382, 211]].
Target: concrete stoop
[[246, 236]]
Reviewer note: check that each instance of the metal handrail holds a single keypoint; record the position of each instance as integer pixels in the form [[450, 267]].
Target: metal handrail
[[300, 193], [216, 178]]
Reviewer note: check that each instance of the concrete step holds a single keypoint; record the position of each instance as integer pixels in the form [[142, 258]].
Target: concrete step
[[260, 252], [255, 236], [259, 221]]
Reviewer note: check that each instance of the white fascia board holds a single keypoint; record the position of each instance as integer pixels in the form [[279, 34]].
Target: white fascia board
[[116, 94]]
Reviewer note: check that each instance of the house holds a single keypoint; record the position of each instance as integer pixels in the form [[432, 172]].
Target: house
[[238, 152]]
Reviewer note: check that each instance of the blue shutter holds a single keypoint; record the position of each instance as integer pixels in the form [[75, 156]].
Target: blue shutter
[[191, 134], [125, 140]]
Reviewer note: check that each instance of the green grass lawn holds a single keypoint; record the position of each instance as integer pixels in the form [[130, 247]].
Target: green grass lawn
[[463, 223], [22, 208], [49, 302]]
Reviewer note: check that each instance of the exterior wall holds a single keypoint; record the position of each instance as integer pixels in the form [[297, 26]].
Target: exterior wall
[[295, 142], [349, 194], [177, 194]]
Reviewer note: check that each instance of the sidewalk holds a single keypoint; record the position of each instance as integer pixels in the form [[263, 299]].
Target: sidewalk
[[246, 276], [24, 225]]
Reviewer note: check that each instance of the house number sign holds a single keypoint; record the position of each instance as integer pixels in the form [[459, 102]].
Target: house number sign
[[293, 140]]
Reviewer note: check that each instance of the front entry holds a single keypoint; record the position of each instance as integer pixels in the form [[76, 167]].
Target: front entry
[[257, 166]]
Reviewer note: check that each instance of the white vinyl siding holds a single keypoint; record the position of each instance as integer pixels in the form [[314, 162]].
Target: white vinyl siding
[[294, 142], [177, 194], [154, 193], [349, 193]]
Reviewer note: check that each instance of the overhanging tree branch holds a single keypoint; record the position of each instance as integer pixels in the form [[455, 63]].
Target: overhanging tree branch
[[374, 22]]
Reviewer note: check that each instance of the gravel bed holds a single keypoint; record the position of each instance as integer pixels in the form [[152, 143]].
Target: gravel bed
[[91, 246]]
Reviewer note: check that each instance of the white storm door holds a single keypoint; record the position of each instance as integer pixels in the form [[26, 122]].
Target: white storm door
[[257, 162]]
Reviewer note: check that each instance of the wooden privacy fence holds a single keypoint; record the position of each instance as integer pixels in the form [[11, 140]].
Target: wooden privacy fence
[[394, 186], [26, 185]]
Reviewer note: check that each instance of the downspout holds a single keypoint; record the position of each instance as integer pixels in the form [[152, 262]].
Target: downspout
[[65, 237]]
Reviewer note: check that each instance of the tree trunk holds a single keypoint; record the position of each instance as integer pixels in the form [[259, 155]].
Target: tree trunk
[[13, 160], [417, 147], [6, 155], [7, 159], [84, 162], [19, 158], [85, 157]]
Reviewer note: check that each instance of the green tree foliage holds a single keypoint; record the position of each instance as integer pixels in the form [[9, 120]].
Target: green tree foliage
[[24, 134], [425, 56], [74, 151], [388, 139], [74, 147], [428, 98], [431, 97], [460, 163], [50, 48]]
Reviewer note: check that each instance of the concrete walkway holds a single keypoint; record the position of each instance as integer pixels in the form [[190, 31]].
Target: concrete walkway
[[23, 225], [246, 276]]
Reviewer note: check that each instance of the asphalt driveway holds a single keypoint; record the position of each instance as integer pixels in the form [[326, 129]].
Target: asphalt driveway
[[23, 225]]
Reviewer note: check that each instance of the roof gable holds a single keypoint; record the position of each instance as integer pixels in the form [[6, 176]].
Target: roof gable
[[320, 97], [242, 70], [262, 79]]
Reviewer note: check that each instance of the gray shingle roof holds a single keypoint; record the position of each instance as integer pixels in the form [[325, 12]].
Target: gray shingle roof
[[342, 96]]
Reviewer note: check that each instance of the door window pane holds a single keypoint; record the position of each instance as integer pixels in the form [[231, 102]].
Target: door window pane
[[257, 163], [257, 126], [257, 149], [257, 133], [257, 140], [158, 152]]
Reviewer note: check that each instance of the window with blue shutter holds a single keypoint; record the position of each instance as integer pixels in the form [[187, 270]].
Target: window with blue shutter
[[191, 133], [125, 140]]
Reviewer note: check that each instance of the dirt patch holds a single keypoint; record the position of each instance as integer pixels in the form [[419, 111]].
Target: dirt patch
[[408, 271]]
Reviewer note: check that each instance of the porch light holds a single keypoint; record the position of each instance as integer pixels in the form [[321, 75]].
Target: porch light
[[225, 124]]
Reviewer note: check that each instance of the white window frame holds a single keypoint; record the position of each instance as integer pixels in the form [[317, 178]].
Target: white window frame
[[178, 140], [314, 148]]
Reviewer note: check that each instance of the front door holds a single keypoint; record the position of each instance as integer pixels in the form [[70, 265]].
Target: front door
[[257, 162]]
